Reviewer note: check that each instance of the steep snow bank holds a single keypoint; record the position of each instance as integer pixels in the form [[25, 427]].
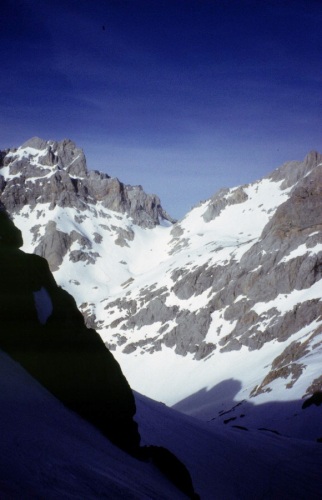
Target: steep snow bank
[[49, 452]]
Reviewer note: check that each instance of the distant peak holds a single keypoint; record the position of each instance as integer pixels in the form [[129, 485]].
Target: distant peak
[[36, 143], [313, 158]]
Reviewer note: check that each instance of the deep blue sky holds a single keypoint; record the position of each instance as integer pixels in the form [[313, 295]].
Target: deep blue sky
[[181, 96]]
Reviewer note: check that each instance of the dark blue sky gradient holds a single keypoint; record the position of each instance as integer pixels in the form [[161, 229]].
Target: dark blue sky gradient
[[183, 97]]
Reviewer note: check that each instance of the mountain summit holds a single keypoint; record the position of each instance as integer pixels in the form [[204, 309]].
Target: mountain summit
[[30, 167]]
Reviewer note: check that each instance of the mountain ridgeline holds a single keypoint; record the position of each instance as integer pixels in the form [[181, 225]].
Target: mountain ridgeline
[[70, 184], [232, 291], [55, 174]]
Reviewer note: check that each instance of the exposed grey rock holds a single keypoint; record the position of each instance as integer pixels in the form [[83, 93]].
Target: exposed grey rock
[[98, 238], [70, 158], [3, 155], [178, 244], [2, 183], [35, 231], [53, 247], [87, 309], [80, 218], [155, 311], [299, 212], [315, 387], [221, 200], [287, 365], [192, 282], [293, 171], [36, 143], [18, 166], [124, 235], [81, 256], [177, 230]]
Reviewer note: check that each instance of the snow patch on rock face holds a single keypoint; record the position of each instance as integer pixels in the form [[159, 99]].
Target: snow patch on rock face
[[286, 302], [43, 303]]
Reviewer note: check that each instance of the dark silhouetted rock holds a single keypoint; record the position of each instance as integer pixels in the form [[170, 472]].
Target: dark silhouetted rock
[[172, 468], [43, 330], [316, 400]]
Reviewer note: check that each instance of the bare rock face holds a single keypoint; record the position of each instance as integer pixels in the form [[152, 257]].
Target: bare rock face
[[53, 246], [220, 201], [301, 212]]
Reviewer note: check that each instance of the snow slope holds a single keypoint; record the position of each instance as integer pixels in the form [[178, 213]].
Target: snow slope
[[49, 452]]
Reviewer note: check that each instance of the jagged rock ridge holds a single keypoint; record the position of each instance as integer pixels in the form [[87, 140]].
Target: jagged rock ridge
[[56, 173], [51, 175]]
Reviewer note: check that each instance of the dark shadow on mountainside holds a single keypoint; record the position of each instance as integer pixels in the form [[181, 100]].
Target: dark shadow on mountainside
[[219, 406]]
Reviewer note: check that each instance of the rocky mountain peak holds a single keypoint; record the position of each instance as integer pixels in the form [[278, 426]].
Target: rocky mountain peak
[[293, 171], [40, 172]]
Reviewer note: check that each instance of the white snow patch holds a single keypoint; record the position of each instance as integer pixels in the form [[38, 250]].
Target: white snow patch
[[302, 250], [285, 302]]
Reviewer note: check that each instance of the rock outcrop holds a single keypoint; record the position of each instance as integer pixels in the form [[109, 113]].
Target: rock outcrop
[[43, 330]]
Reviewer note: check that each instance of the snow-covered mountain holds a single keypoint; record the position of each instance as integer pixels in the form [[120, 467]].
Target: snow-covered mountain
[[219, 314], [48, 451]]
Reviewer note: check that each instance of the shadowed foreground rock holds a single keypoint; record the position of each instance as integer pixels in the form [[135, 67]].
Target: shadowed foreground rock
[[43, 330]]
